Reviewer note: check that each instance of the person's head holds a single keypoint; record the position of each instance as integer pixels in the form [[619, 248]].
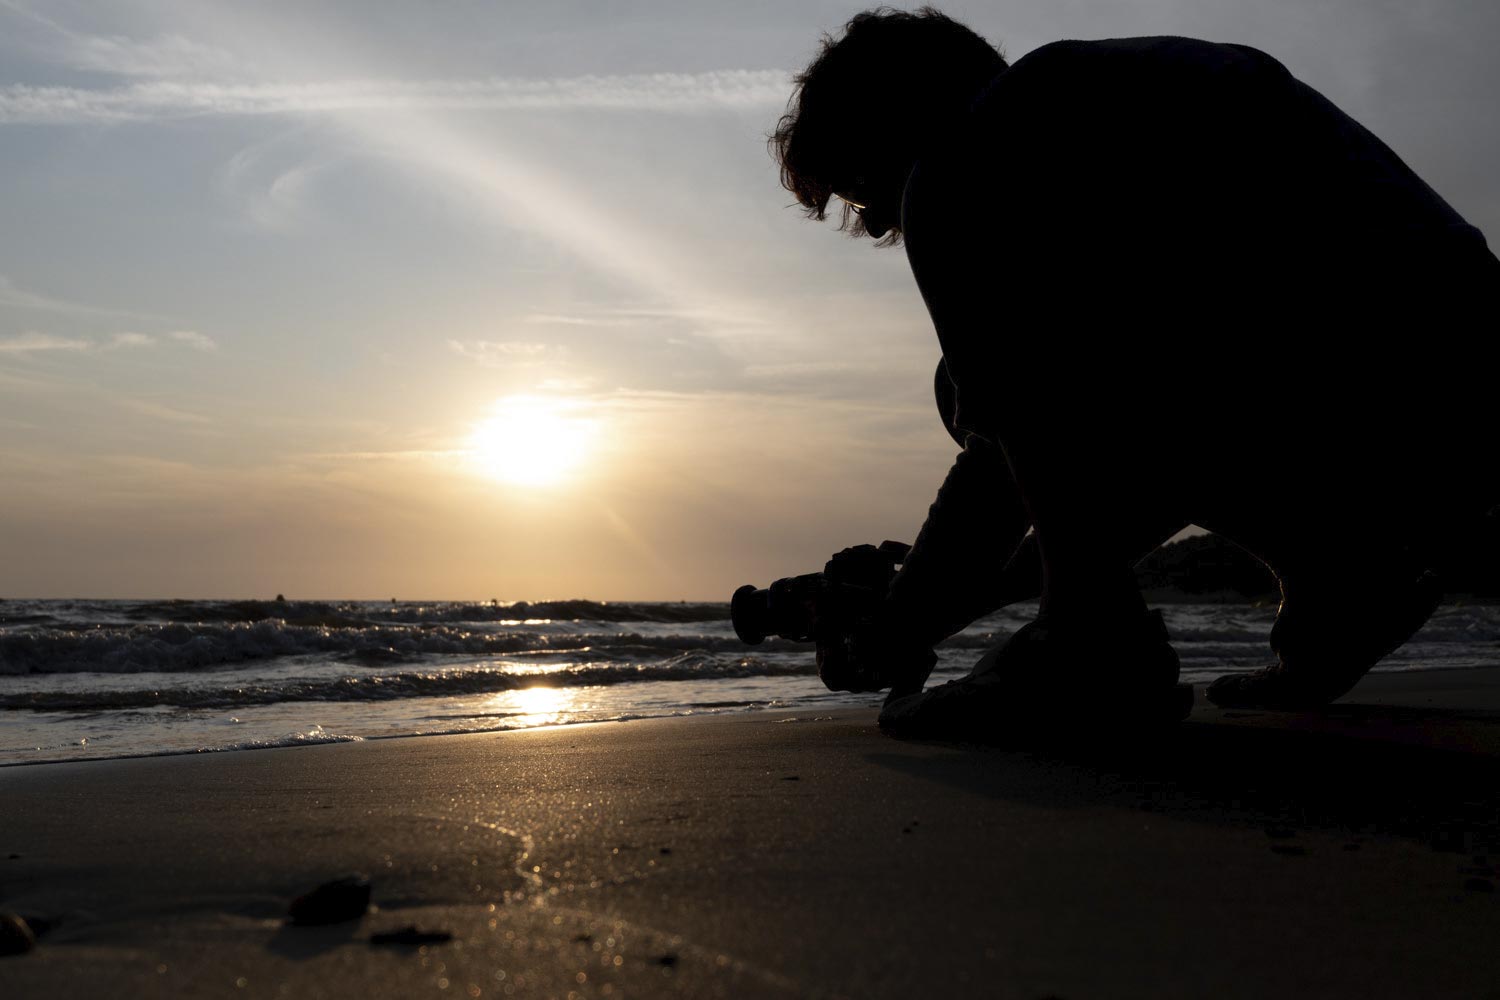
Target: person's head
[[862, 110]]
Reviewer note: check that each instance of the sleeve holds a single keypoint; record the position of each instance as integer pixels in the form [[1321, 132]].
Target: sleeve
[[957, 568]]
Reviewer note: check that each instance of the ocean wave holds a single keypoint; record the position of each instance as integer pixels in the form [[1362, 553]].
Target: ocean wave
[[177, 648], [346, 614], [690, 666]]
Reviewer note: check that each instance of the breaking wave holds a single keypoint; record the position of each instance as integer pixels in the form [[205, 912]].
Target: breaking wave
[[408, 684], [175, 648]]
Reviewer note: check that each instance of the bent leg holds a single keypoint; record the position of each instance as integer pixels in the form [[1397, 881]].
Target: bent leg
[[1348, 521]]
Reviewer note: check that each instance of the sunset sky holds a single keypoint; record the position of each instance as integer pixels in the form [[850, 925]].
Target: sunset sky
[[466, 300]]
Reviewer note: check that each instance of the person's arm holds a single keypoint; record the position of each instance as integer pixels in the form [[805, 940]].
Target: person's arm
[[969, 558], [972, 556]]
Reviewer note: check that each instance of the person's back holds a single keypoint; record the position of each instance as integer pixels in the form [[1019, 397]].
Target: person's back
[[1194, 189], [1183, 227]]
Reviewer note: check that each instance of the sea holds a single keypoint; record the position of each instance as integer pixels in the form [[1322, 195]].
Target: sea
[[83, 679]]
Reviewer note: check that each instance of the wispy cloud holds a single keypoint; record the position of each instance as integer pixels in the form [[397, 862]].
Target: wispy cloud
[[162, 56], [194, 339], [32, 342], [159, 56], [273, 179], [161, 411], [19, 298], [175, 98], [504, 354]]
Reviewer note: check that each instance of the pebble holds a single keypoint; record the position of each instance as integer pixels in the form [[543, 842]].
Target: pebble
[[15, 936], [332, 902]]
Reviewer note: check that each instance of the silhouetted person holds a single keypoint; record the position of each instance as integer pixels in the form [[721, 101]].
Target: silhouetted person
[[1172, 285]]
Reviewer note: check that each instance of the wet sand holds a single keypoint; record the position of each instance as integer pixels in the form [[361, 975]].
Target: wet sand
[[1346, 853]]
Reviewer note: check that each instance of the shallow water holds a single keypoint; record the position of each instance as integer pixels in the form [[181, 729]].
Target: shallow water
[[89, 679]]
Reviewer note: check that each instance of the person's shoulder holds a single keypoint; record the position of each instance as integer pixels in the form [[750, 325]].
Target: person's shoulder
[[1075, 90], [1109, 56]]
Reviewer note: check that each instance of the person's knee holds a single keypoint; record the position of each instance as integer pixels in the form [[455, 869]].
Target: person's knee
[[946, 395]]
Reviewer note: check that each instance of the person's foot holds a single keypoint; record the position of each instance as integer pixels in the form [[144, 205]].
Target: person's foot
[[1052, 673], [1325, 645]]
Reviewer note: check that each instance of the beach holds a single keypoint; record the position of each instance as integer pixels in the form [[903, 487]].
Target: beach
[[1349, 852]]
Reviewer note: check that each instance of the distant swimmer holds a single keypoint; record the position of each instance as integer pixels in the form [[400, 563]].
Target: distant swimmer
[[1172, 284]]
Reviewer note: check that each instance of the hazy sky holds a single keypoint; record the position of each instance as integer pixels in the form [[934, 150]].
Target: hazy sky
[[271, 270]]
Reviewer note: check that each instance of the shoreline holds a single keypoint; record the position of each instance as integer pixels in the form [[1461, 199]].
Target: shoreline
[[1433, 679], [1350, 852]]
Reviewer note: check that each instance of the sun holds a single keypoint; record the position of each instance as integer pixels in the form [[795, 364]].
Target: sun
[[531, 441]]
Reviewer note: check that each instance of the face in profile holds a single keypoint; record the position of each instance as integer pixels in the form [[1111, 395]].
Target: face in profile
[[875, 203]]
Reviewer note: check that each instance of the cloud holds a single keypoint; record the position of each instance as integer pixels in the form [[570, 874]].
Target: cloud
[[273, 179], [162, 56], [194, 339], [168, 98], [604, 353], [609, 350], [504, 354], [161, 411], [31, 341], [19, 298]]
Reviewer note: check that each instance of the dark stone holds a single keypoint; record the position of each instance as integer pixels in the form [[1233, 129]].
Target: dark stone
[[15, 935], [333, 902]]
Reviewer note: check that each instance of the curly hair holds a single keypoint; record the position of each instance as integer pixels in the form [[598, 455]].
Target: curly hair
[[884, 85]]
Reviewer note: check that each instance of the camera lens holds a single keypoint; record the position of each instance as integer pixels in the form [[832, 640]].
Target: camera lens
[[750, 611]]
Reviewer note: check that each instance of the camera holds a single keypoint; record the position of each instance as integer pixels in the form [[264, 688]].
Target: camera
[[819, 606]]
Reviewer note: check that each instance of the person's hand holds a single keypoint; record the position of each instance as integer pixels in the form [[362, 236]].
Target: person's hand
[[874, 656]]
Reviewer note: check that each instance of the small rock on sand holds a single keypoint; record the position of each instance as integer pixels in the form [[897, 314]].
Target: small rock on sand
[[333, 902], [15, 935]]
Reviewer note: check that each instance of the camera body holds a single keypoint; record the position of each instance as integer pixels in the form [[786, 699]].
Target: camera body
[[830, 608]]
